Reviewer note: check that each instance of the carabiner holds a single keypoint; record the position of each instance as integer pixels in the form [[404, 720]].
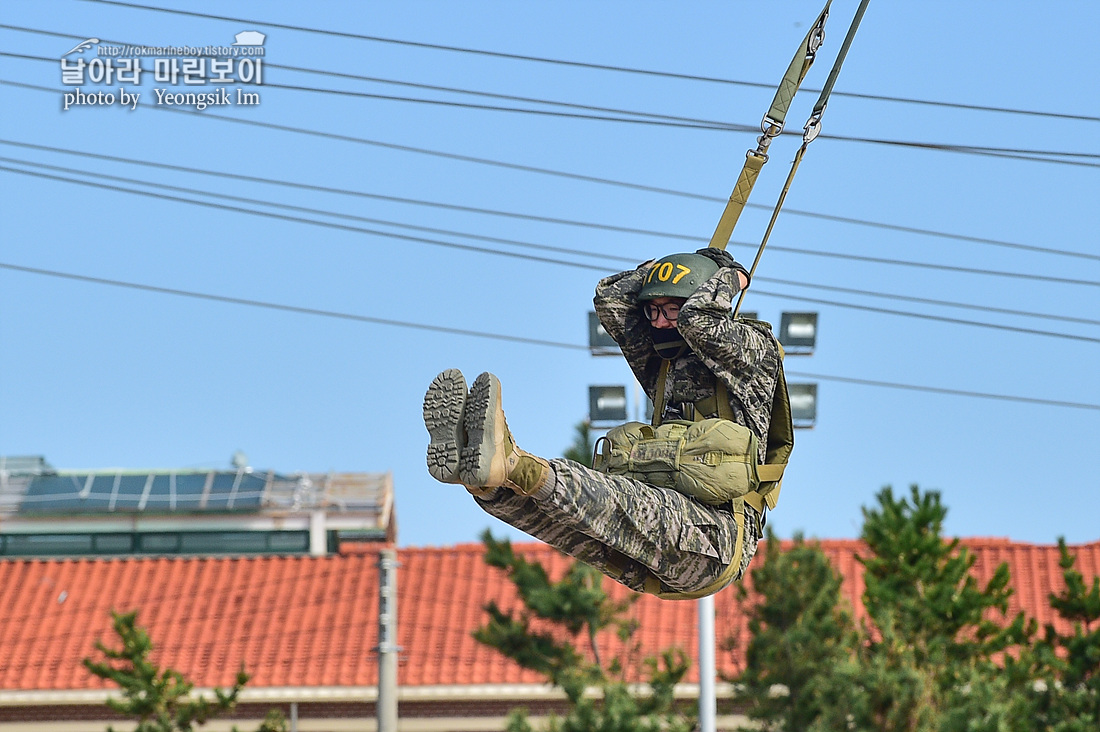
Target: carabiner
[[817, 35], [812, 128]]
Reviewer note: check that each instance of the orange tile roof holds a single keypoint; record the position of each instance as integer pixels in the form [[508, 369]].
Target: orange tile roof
[[312, 621]]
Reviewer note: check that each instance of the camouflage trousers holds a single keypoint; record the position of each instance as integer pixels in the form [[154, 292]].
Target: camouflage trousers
[[628, 529]]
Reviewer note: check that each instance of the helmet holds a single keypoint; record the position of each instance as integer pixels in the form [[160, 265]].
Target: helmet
[[677, 275]]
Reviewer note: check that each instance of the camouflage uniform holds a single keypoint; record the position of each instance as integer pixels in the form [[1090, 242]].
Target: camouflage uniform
[[628, 529]]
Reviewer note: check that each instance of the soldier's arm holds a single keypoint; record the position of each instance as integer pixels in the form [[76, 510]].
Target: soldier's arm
[[744, 357], [617, 307]]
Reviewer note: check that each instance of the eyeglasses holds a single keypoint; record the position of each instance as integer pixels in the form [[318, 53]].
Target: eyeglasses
[[671, 311]]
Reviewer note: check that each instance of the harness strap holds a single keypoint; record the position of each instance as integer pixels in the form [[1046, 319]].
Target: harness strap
[[719, 403], [811, 130], [662, 397], [771, 126], [654, 586]]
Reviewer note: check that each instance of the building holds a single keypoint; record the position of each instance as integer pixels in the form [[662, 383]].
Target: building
[[305, 623], [112, 512]]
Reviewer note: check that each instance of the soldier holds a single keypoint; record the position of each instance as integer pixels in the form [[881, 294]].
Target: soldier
[[675, 311]]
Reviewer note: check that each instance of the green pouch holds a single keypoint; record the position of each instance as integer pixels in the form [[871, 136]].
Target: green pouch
[[712, 460]]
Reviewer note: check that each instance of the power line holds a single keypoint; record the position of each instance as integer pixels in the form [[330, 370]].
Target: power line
[[554, 344], [300, 220], [925, 316], [1047, 156], [321, 212], [930, 301], [1044, 156], [654, 117], [481, 237], [500, 240], [876, 260], [588, 65], [717, 199], [295, 309], [938, 390], [447, 155], [957, 321], [696, 239]]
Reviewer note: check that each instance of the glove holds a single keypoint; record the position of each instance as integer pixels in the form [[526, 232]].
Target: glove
[[720, 256], [723, 259]]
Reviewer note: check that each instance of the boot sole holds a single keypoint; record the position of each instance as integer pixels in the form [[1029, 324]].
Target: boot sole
[[484, 433], [444, 409]]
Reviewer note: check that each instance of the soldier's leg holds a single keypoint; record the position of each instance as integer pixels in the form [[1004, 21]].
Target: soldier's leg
[[527, 515], [684, 543]]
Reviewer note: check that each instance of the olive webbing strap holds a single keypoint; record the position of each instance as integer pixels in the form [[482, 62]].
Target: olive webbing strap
[[653, 585], [811, 130], [662, 398], [771, 126]]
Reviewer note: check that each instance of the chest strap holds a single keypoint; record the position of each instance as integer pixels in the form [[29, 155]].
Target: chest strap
[[770, 474]]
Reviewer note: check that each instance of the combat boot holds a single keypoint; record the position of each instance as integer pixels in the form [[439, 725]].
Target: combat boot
[[444, 406], [491, 457]]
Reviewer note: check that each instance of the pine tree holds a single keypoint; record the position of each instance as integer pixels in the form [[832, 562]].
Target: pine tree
[[1063, 669], [160, 699], [799, 632], [936, 652], [581, 449], [579, 610], [928, 659]]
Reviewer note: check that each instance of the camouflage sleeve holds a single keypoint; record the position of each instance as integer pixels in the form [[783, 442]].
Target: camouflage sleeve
[[616, 304], [744, 357]]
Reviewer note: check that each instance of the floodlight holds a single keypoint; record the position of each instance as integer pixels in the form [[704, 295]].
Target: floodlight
[[600, 342], [803, 404], [606, 404], [798, 332]]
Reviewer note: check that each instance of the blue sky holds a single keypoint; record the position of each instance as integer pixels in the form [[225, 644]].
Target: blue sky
[[96, 376]]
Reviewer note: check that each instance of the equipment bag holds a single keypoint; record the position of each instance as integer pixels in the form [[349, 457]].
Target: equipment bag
[[713, 460]]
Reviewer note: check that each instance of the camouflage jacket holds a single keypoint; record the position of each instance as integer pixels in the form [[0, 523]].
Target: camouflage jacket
[[742, 353]]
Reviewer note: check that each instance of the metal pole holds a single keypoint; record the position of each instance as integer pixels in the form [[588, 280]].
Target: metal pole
[[294, 717], [708, 704], [386, 705], [318, 537]]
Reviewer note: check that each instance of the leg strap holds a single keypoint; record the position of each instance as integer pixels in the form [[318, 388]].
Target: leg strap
[[654, 586]]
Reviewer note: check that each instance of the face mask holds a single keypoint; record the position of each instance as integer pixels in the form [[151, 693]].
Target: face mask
[[668, 342]]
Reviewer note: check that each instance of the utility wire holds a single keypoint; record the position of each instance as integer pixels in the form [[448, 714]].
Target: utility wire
[[335, 214], [653, 117], [496, 336], [500, 240], [928, 300], [450, 156], [796, 250], [938, 390], [717, 199], [587, 65], [396, 82], [300, 220], [1044, 156], [695, 240], [294, 308], [957, 321]]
